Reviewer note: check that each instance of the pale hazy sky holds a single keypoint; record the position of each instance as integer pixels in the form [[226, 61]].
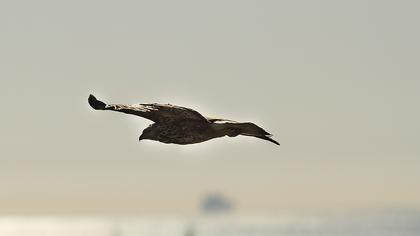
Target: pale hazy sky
[[336, 82]]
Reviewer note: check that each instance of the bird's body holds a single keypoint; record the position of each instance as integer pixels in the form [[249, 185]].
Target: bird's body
[[180, 125], [186, 131]]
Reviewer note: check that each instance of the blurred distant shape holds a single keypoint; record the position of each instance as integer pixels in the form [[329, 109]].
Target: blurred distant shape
[[116, 231], [216, 203], [190, 231]]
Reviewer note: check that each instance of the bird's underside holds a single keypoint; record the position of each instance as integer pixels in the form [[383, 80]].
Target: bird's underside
[[180, 125]]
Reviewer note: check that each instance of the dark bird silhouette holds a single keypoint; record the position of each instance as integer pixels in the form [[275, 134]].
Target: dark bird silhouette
[[181, 125]]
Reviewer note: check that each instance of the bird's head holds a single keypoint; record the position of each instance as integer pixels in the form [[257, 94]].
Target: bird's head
[[148, 133]]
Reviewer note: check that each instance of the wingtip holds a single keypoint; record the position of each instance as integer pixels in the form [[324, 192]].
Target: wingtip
[[95, 103]]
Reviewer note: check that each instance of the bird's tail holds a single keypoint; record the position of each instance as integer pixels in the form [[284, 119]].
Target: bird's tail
[[247, 129], [265, 137], [95, 103]]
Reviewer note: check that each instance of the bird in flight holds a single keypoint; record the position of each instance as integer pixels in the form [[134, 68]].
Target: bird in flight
[[181, 125]]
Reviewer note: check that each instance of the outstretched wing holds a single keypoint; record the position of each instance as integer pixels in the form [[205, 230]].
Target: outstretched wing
[[155, 112], [233, 128]]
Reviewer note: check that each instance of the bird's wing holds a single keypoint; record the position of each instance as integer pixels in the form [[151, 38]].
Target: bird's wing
[[155, 112], [233, 128]]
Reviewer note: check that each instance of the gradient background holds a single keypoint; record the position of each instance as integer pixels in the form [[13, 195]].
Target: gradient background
[[336, 82]]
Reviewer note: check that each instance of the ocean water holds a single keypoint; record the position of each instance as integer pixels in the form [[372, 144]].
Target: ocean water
[[363, 224]]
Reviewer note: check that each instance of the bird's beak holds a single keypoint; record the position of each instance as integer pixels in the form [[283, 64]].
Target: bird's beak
[[141, 137]]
